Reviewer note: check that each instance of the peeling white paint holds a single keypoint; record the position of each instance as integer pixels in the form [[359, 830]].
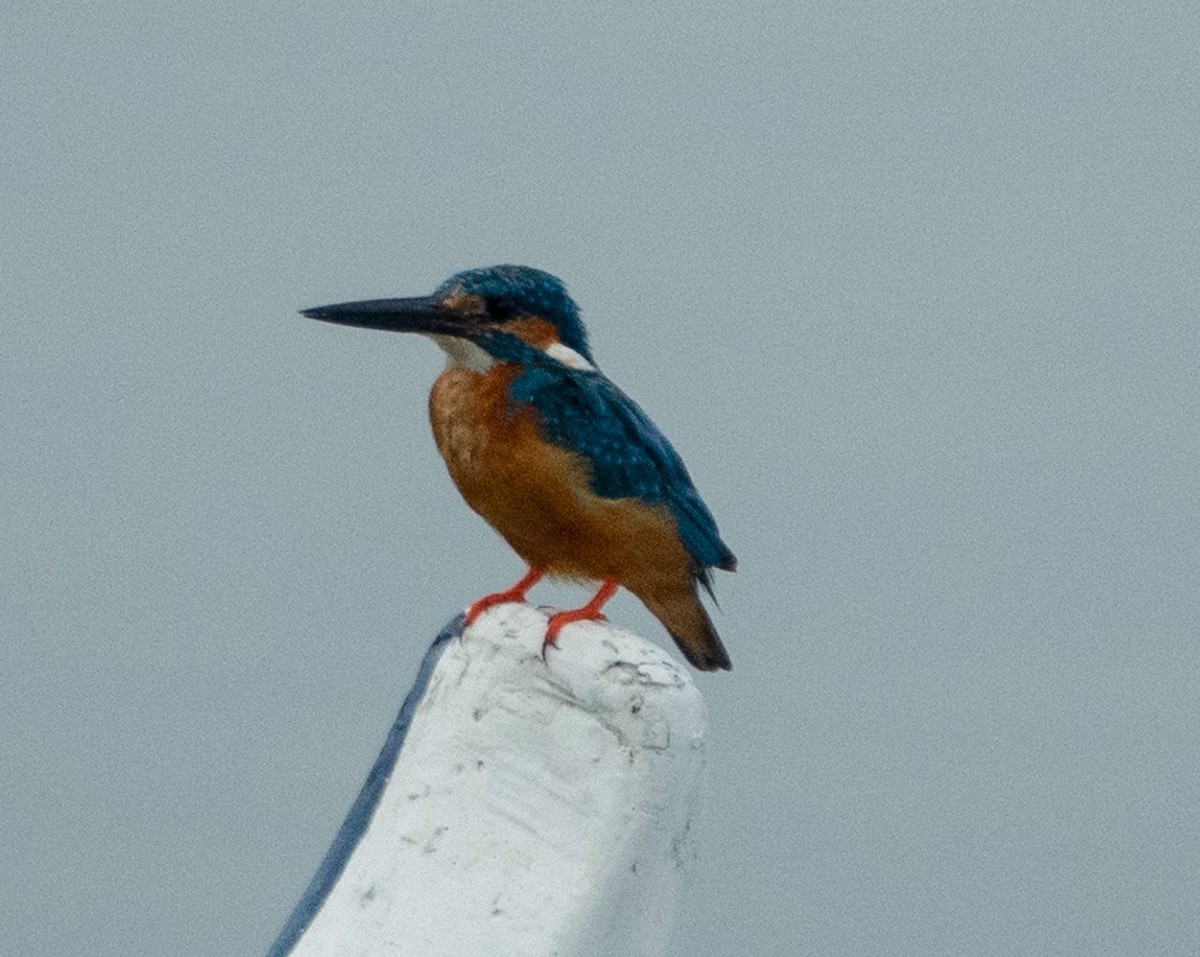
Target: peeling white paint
[[535, 807]]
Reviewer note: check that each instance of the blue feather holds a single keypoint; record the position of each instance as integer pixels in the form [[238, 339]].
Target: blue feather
[[584, 412]]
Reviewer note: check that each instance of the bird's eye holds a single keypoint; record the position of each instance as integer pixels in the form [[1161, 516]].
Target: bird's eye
[[500, 310]]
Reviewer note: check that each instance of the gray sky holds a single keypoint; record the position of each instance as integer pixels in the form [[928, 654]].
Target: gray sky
[[913, 289]]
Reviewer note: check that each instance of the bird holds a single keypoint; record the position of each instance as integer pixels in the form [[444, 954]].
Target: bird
[[554, 456]]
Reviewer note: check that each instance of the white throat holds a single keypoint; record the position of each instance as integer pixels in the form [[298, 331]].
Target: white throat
[[463, 354]]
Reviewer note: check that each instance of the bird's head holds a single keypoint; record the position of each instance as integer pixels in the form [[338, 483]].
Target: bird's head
[[476, 315]]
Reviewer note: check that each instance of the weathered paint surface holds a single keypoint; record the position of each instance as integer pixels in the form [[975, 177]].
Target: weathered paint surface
[[520, 806]]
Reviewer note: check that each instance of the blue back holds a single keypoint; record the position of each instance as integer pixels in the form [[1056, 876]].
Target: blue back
[[583, 411]]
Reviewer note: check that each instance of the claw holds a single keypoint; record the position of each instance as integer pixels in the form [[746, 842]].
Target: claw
[[589, 612], [516, 593]]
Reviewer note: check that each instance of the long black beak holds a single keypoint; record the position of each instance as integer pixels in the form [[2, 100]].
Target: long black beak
[[422, 314]]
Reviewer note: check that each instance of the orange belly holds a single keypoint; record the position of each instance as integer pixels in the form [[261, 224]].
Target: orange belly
[[537, 496]]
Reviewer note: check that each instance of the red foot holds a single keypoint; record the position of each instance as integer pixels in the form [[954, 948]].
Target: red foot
[[589, 612], [516, 593]]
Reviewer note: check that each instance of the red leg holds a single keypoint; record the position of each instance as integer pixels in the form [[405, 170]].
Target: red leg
[[516, 593], [589, 612]]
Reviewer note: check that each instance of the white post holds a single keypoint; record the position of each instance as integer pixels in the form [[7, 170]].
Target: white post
[[519, 806]]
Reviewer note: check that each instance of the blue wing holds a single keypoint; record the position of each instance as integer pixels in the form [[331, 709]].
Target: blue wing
[[581, 410]]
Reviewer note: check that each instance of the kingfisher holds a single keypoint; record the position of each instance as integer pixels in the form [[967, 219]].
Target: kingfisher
[[557, 459]]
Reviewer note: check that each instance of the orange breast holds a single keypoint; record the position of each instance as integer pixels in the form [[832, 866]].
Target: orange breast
[[537, 496]]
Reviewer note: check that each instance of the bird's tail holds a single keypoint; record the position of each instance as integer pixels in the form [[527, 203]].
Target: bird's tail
[[687, 621]]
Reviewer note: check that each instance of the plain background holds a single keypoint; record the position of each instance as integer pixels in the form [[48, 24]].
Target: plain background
[[913, 288]]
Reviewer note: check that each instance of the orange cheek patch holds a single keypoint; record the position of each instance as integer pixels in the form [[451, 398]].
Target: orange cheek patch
[[536, 332]]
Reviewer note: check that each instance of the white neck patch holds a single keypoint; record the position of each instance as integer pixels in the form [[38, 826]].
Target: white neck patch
[[569, 357], [464, 354]]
